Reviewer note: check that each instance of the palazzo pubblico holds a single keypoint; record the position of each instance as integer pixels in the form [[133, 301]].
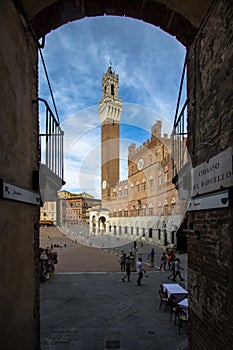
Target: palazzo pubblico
[[146, 205]]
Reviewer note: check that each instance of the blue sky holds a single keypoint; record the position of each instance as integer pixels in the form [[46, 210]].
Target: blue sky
[[149, 63]]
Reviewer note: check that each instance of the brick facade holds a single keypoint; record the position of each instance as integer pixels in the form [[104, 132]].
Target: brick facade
[[146, 205], [210, 124], [72, 209]]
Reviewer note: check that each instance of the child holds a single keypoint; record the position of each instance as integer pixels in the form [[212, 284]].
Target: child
[[163, 262]]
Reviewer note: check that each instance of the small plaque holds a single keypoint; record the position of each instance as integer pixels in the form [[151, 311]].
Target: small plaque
[[214, 175], [211, 201], [19, 194]]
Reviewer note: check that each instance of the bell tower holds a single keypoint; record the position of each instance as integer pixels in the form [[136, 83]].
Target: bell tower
[[110, 109]]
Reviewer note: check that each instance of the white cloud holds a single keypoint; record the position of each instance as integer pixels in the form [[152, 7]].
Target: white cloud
[[149, 63]]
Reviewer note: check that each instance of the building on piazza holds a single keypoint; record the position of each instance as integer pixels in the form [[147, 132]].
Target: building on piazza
[[145, 206], [48, 214], [72, 208]]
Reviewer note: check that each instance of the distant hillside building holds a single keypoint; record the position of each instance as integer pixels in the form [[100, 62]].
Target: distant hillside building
[[145, 205]]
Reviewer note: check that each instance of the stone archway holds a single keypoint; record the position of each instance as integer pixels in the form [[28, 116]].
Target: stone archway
[[102, 224], [206, 31], [93, 221], [159, 14]]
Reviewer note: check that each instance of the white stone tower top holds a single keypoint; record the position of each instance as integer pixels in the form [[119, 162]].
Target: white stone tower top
[[110, 107]]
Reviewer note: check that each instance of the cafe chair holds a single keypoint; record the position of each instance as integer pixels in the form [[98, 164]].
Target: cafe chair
[[182, 318], [173, 309], [163, 300]]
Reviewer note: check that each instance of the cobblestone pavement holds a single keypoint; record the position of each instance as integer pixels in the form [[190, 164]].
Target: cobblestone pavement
[[86, 306]]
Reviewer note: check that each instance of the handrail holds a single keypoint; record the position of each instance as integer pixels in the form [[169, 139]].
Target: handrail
[[179, 139], [51, 143], [179, 132]]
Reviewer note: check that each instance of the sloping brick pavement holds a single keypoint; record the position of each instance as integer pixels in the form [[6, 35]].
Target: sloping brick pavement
[[75, 257]]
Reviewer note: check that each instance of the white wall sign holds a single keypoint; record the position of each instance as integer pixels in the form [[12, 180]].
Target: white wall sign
[[19, 194], [216, 174], [212, 201]]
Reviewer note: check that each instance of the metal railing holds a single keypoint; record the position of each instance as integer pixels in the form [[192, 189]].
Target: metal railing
[[179, 132], [51, 143], [179, 139]]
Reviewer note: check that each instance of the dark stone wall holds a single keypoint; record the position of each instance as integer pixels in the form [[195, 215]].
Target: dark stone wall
[[210, 124], [19, 158]]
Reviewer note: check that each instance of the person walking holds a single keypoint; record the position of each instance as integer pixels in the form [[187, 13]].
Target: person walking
[[173, 255], [151, 256], [163, 262], [128, 269], [172, 264], [122, 261], [177, 270], [140, 271], [169, 258]]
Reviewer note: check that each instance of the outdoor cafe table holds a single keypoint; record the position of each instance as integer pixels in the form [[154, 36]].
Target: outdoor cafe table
[[184, 303], [175, 291]]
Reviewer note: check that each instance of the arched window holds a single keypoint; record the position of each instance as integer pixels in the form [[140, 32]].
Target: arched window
[[173, 237], [143, 210], [150, 233], [112, 90], [150, 209], [144, 184], [151, 182]]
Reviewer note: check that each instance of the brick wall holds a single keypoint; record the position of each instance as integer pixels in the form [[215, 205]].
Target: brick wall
[[210, 244]]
